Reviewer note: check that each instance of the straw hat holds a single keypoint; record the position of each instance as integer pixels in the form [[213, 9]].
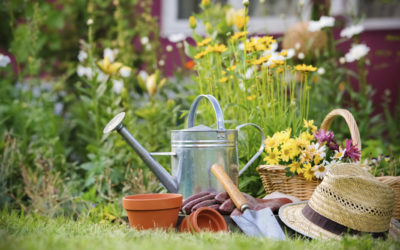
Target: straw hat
[[348, 200]]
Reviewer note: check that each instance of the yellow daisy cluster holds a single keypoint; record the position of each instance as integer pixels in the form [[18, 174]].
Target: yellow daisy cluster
[[300, 153], [211, 48], [204, 42], [259, 44], [237, 35], [305, 68], [251, 97], [261, 60]]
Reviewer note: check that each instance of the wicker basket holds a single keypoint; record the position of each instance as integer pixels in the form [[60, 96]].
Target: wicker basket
[[274, 177]]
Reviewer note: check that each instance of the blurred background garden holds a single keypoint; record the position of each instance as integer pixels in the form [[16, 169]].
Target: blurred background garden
[[67, 67]]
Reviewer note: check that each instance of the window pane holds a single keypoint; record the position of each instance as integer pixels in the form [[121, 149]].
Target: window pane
[[273, 8], [187, 7], [379, 8]]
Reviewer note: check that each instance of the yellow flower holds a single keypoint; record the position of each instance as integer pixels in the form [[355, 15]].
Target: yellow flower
[[204, 42], [302, 143], [240, 19], [283, 136], [279, 70], [237, 35], [305, 68], [271, 142], [306, 136], [308, 172], [310, 125], [223, 79], [289, 150], [273, 157], [217, 48], [205, 3], [251, 97], [192, 22], [317, 159], [151, 84], [295, 167], [109, 68], [200, 54], [232, 68], [283, 53], [261, 60]]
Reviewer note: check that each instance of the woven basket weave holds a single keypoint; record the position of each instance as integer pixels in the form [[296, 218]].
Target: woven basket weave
[[274, 177]]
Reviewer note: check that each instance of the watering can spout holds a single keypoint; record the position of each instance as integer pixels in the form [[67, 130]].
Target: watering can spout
[[166, 179]]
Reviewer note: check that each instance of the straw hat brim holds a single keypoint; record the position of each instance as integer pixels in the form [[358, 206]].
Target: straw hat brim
[[291, 215]]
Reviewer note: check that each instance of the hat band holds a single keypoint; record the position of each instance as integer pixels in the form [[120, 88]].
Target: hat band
[[332, 226]]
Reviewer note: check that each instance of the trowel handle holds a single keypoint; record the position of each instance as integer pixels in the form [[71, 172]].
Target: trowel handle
[[235, 194]]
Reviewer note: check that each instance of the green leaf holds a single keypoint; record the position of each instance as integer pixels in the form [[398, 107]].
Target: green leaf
[[190, 50]]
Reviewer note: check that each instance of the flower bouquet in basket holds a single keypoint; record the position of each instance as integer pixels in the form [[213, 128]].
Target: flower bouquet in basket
[[296, 165]]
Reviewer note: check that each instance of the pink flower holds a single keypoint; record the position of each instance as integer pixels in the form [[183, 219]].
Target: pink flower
[[324, 136], [352, 151]]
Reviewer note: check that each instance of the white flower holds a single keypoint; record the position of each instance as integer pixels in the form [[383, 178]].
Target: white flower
[[179, 45], [297, 46], [144, 40], [84, 71], [148, 46], [89, 21], [169, 48], [118, 85], [161, 63], [174, 38], [342, 60], [317, 149], [324, 21], [82, 56], [245, 2], [290, 53], [274, 57], [241, 46], [241, 86], [58, 108], [4, 60], [339, 154], [301, 3], [101, 77], [143, 74], [352, 30], [356, 52], [300, 56], [110, 54], [321, 71], [125, 71], [320, 171], [249, 73]]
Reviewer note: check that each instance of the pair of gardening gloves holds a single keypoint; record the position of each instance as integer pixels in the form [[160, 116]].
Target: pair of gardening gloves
[[224, 204]]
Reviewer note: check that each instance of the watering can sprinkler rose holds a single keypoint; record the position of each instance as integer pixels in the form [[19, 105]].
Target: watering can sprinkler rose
[[193, 151]]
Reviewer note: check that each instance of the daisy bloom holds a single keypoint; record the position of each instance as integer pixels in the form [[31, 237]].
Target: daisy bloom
[[273, 157], [308, 172], [339, 154], [295, 167], [320, 171]]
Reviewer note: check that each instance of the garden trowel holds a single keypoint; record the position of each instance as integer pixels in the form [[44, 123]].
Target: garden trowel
[[261, 223]]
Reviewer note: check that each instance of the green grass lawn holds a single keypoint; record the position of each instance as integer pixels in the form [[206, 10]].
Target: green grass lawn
[[36, 232]]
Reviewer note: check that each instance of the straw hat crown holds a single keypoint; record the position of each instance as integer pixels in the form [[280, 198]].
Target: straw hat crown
[[352, 197]]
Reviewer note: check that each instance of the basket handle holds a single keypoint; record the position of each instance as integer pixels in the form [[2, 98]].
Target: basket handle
[[351, 123]]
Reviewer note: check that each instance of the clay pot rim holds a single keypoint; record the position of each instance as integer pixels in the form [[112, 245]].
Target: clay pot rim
[[153, 201], [213, 215]]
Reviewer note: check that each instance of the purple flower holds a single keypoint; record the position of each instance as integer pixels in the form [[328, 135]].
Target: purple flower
[[332, 145], [352, 151], [324, 136]]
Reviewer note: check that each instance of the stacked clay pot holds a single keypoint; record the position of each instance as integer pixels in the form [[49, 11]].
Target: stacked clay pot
[[204, 219]]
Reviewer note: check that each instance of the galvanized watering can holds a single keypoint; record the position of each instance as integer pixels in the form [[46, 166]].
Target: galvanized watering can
[[193, 151]]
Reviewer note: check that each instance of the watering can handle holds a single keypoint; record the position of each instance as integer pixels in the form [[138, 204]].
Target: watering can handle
[[260, 150], [217, 109]]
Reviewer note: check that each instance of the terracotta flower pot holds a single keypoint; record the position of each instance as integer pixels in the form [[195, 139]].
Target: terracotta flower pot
[[149, 211], [204, 219]]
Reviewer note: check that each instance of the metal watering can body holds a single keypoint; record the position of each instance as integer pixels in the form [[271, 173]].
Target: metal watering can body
[[193, 151]]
